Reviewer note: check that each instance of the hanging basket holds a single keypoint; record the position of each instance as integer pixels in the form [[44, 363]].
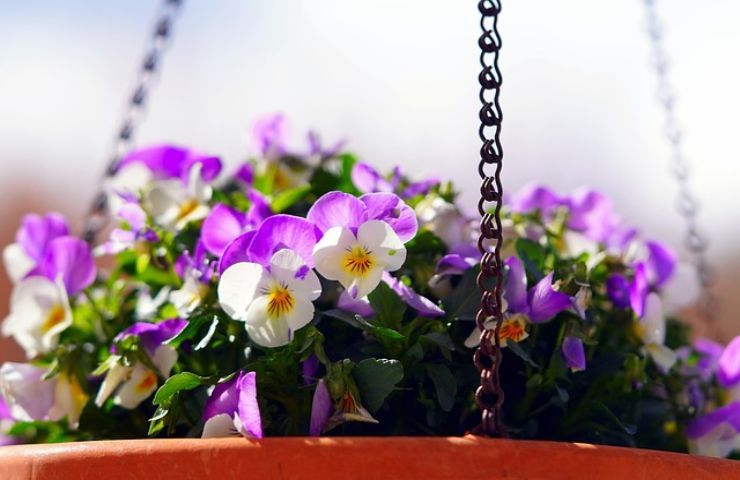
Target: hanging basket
[[358, 458]]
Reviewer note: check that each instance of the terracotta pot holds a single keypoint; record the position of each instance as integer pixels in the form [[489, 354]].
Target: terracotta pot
[[351, 458]]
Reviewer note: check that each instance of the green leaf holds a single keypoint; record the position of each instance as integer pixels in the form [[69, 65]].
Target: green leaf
[[376, 379], [288, 198], [440, 339], [195, 323], [175, 384], [464, 301], [388, 306], [445, 385], [533, 256], [520, 352], [387, 333]]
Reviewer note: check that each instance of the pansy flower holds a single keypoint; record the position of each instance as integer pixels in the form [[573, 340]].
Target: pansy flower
[[362, 238], [369, 180], [30, 397], [728, 364], [196, 272], [273, 300], [31, 243], [138, 232], [232, 408], [447, 222], [132, 384], [326, 413], [173, 205], [6, 422], [224, 224], [268, 281], [716, 434], [39, 306], [538, 305]]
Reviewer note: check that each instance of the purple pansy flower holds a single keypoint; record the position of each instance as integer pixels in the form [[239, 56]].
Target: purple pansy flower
[[245, 174], [591, 213], [541, 303], [660, 263], [574, 353], [196, 270], [709, 353], [639, 290], [172, 162], [269, 134], [368, 180], [6, 421], [717, 433], [327, 414], [618, 290], [535, 197], [31, 243], [139, 231], [225, 223], [310, 369], [132, 384], [232, 408], [315, 148]]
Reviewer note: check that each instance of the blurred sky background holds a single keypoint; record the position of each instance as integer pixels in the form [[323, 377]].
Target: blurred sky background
[[398, 79]]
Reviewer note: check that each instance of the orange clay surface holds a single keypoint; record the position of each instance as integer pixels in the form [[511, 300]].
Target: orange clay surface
[[351, 458]]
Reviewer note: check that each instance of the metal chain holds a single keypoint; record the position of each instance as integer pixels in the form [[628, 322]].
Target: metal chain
[[695, 241], [97, 217], [487, 358]]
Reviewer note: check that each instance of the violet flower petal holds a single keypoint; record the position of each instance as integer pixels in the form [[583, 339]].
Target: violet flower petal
[[223, 399], [70, 258], [245, 174], [236, 251], [728, 372], [574, 353], [321, 409], [360, 306], [515, 292], [701, 426], [390, 209], [420, 188], [259, 210], [284, 231], [534, 197], [310, 369], [544, 302], [454, 264], [153, 335], [368, 180], [269, 134], [248, 408], [639, 290], [618, 290], [169, 161], [421, 304], [36, 232], [338, 209], [222, 225], [661, 263]]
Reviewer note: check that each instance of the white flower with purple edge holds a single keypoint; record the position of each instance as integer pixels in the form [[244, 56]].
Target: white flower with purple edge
[[30, 397], [132, 384], [362, 238], [232, 408], [327, 414], [40, 308], [272, 290], [716, 434], [31, 243]]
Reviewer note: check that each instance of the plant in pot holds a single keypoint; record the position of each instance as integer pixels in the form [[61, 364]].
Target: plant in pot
[[308, 294]]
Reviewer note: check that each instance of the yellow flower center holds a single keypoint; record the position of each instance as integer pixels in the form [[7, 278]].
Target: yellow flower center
[[358, 261], [54, 317], [187, 208], [281, 301], [514, 329], [147, 383]]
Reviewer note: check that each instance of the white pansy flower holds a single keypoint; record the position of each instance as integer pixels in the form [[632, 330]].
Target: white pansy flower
[[357, 262], [174, 205], [273, 301]]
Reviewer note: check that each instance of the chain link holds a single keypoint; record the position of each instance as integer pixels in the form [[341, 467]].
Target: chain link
[[97, 217], [688, 207], [487, 358]]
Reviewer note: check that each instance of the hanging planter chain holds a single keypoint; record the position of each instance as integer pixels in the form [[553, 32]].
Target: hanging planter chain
[[696, 243], [97, 217], [487, 358]]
